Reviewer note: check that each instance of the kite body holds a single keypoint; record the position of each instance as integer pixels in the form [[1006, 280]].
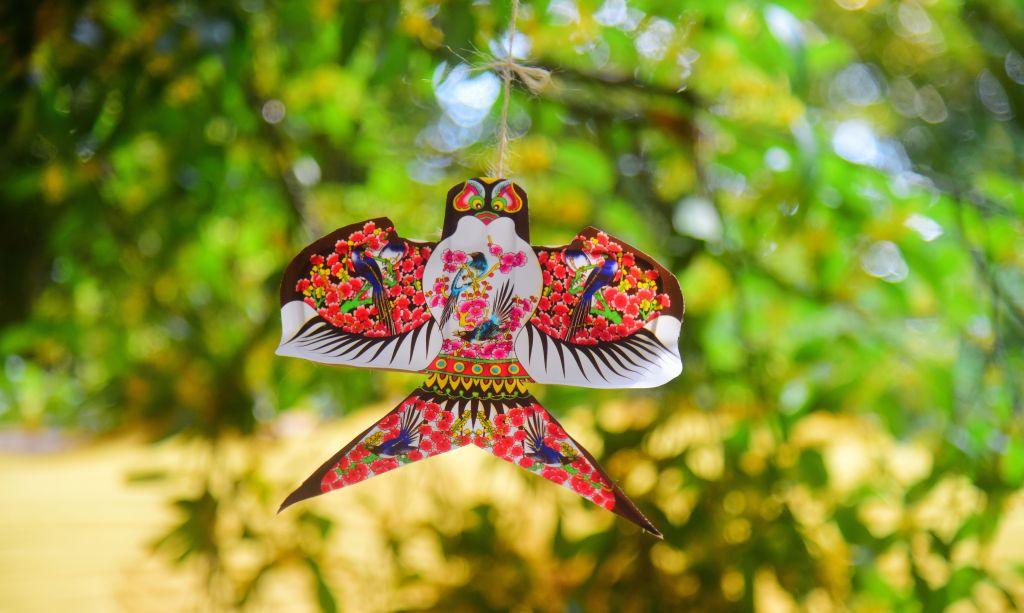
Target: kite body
[[482, 313]]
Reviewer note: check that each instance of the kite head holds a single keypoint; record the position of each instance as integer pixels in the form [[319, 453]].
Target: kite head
[[487, 199]]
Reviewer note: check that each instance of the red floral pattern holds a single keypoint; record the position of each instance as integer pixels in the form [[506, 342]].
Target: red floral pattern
[[431, 437], [632, 299], [512, 436], [512, 442], [345, 300]]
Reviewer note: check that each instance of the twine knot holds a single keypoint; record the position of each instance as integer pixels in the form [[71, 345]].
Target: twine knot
[[534, 78]]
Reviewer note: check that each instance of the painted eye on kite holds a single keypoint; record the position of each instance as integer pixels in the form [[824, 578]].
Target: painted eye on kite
[[469, 198], [506, 199]]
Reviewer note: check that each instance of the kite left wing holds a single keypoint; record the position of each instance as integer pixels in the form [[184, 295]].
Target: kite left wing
[[355, 298]]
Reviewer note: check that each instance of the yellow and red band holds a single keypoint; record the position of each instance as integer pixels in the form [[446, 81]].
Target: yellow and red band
[[483, 369]]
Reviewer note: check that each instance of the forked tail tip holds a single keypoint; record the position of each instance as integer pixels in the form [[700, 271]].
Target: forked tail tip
[[298, 495]]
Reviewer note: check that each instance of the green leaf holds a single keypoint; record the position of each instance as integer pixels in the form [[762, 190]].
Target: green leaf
[[586, 164], [812, 468], [324, 594], [1011, 463]]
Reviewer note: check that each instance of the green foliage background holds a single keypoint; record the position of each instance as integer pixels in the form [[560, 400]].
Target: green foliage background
[[836, 184]]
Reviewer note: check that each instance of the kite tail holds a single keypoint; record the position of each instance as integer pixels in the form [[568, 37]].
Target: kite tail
[[414, 430], [515, 428], [530, 437]]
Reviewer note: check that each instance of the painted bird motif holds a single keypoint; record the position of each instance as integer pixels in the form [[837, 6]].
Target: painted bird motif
[[405, 442], [595, 313], [394, 250], [465, 278], [365, 267], [496, 322], [537, 447], [599, 277]]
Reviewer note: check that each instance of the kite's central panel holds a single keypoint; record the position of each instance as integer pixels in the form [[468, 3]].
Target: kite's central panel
[[482, 284]]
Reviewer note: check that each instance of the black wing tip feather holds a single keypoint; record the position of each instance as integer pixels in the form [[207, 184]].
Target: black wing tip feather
[[319, 337], [607, 359]]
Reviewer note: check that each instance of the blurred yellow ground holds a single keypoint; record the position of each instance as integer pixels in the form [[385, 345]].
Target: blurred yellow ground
[[76, 534]]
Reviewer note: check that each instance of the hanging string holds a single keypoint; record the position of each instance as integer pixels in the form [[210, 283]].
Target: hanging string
[[535, 79]]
